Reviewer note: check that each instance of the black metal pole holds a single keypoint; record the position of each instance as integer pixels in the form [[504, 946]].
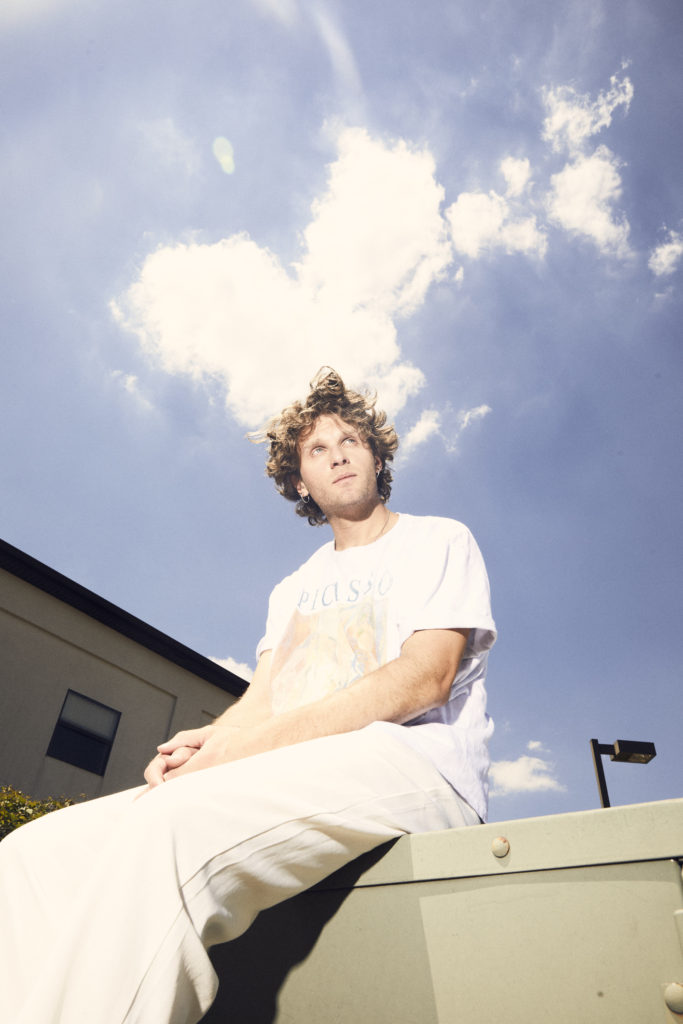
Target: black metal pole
[[598, 749]]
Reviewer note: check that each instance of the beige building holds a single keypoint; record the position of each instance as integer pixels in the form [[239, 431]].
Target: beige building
[[87, 690]]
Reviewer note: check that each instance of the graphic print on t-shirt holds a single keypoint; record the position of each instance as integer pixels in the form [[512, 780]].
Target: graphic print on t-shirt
[[326, 651]]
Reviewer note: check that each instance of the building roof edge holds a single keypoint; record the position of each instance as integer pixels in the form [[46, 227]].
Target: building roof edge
[[39, 575]]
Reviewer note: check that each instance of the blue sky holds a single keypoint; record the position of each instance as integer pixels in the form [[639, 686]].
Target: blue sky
[[476, 209]]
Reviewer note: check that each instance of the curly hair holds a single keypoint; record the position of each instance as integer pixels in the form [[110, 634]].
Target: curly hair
[[328, 397]]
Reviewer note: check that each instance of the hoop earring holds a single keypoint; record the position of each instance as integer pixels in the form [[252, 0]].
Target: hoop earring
[[306, 498]]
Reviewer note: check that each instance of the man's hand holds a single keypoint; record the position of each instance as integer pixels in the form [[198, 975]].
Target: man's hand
[[175, 753], [224, 743]]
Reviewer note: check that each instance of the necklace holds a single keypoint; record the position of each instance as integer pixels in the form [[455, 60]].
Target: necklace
[[376, 536], [386, 523]]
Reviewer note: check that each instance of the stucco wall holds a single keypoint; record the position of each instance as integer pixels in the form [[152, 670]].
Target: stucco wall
[[48, 647]]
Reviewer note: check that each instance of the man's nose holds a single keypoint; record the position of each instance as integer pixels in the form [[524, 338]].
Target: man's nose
[[338, 457]]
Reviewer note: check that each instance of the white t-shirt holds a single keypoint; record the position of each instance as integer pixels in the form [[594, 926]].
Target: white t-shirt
[[344, 613]]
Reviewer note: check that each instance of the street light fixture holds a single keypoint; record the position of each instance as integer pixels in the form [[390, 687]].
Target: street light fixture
[[633, 751]]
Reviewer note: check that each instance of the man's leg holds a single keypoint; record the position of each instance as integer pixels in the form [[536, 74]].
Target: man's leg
[[194, 861], [43, 867]]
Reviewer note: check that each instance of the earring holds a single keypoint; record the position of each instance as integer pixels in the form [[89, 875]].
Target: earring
[[305, 498]]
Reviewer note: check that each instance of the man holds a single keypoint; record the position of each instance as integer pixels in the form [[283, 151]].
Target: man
[[365, 720]]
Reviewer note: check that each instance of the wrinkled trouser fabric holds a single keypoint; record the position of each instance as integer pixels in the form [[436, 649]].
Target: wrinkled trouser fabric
[[107, 907]]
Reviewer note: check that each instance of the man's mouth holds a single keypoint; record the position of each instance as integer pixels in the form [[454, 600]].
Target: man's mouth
[[345, 476]]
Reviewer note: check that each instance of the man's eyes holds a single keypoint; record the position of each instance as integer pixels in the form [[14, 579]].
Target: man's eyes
[[321, 448]]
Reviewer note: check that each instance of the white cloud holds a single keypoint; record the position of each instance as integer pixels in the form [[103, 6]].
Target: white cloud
[[482, 222], [469, 416], [377, 237], [525, 775], [665, 258], [431, 424], [394, 386], [239, 668], [476, 221], [465, 419], [231, 312], [426, 427], [516, 173], [573, 117], [582, 199]]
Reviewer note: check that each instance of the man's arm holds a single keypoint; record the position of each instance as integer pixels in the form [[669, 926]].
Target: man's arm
[[254, 705], [252, 708], [415, 682]]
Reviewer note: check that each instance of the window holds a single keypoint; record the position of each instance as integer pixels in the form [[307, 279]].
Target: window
[[84, 733]]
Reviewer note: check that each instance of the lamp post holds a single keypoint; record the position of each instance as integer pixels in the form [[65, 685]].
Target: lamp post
[[632, 751]]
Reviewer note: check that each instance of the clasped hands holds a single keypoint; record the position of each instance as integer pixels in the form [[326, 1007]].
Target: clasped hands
[[194, 749]]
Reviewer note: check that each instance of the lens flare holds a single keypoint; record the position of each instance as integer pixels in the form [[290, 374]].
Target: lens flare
[[224, 153]]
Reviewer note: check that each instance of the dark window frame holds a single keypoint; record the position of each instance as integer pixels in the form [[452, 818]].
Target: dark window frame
[[81, 747]]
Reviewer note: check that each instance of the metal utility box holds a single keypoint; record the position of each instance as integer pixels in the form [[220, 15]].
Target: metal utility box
[[570, 919]]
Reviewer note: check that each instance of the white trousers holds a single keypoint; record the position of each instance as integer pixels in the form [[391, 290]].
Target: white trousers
[[107, 907]]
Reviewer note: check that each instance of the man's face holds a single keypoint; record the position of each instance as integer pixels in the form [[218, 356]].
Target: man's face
[[337, 468]]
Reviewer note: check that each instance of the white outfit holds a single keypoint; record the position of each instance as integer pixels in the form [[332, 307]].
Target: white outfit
[[107, 907], [345, 613]]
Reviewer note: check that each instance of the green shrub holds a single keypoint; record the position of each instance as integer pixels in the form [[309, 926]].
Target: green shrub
[[16, 808]]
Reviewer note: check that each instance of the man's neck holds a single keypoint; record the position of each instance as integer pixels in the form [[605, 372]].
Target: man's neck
[[356, 532]]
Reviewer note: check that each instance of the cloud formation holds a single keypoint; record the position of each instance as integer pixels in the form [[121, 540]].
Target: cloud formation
[[469, 416], [427, 426], [230, 312], [430, 424], [238, 668], [572, 117], [665, 258], [516, 173], [583, 195], [481, 222], [527, 774], [582, 199]]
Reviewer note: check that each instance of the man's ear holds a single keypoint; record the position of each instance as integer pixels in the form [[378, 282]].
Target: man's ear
[[378, 465], [299, 485]]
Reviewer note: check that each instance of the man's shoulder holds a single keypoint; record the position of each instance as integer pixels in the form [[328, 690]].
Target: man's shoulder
[[430, 537], [435, 525]]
